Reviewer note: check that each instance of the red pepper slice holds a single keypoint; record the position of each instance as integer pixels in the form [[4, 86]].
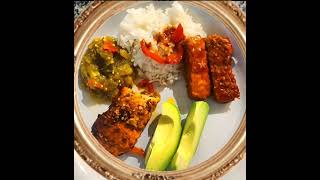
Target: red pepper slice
[[171, 59], [109, 46], [174, 58], [178, 34], [150, 54]]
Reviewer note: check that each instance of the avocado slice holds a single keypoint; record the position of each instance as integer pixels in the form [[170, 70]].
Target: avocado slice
[[166, 138], [190, 136]]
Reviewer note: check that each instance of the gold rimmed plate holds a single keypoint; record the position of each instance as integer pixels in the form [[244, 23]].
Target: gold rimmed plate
[[223, 140]]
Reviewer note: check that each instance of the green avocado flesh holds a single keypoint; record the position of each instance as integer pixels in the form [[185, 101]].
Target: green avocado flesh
[[190, 136], [165, 139]]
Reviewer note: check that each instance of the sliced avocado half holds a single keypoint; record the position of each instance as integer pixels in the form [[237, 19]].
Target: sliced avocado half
[[190, 136], [166, 138]]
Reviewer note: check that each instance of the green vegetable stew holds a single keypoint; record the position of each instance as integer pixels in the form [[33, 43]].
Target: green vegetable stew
[[105, 67]]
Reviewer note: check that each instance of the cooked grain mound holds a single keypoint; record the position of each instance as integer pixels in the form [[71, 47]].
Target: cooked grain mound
[[143, 23]]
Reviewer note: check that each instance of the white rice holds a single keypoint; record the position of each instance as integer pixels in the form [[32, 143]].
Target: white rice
[[164, 74], [143, 23]]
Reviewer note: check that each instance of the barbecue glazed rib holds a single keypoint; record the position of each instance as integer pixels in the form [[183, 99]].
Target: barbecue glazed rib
[[219, 51], [197, 71], [119, 128]]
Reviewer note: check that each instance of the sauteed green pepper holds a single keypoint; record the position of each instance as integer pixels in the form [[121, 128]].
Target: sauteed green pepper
[[105, 67]]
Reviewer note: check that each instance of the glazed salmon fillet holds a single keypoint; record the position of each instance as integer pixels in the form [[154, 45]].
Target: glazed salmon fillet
[[119, 128], [219, 51], [197, 71]]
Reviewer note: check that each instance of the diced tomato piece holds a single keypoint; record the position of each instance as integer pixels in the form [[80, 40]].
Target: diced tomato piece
[[94, 84], [178, 34], [109, 46], [145, 83], [176, 57]]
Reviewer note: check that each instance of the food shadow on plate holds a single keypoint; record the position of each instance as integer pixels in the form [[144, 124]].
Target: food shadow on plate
[[181, 96], [87, 98], [152, 127], [180, 93], [129, 154], [217, 108]]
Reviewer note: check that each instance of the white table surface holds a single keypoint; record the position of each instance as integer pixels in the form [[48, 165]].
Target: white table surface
[[82, 171]]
